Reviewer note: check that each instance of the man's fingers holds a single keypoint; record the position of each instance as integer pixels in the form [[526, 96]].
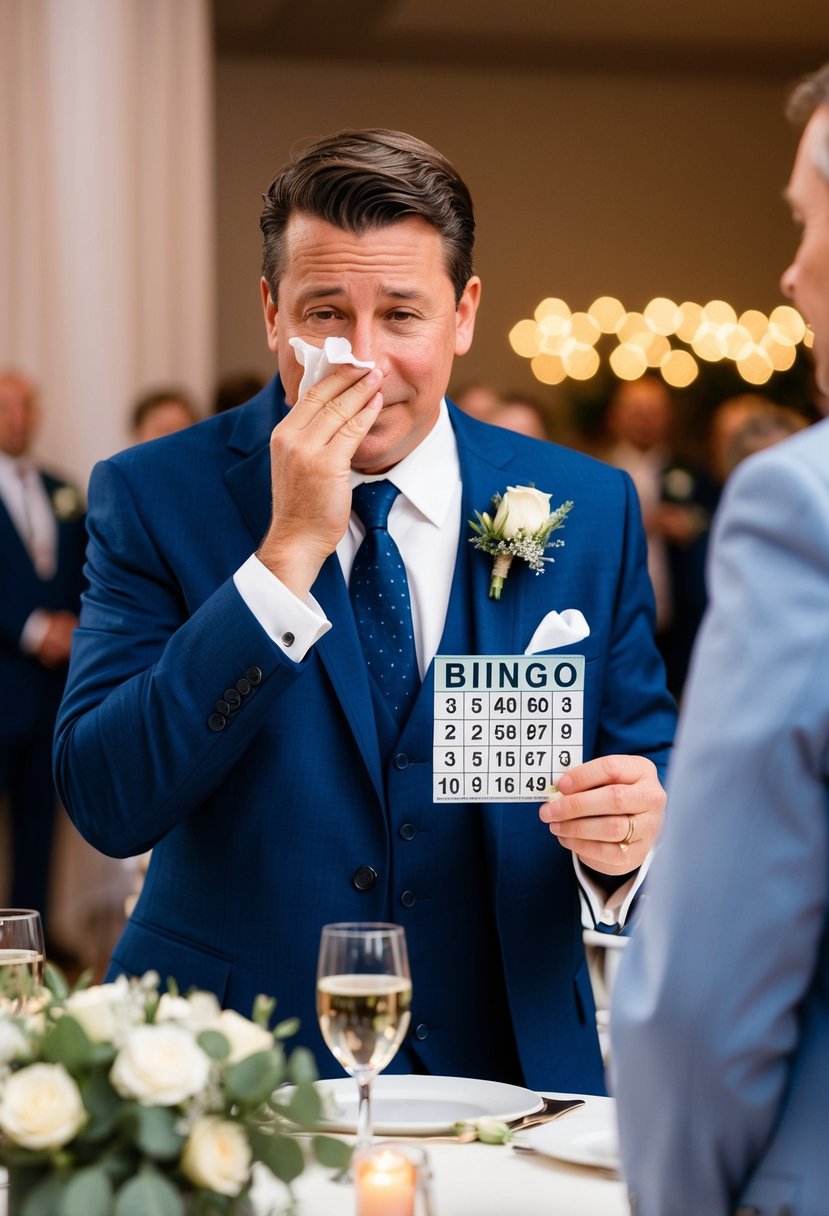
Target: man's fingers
[[603, 771], [334, 401]]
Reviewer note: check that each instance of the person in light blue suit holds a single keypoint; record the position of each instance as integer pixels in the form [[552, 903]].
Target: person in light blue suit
[[220, 709], [720, 1023]]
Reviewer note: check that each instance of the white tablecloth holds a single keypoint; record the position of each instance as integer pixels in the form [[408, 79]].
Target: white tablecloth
[[491, 1180]]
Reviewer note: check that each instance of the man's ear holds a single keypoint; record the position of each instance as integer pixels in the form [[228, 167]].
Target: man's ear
[[465, 315], [270, 311]]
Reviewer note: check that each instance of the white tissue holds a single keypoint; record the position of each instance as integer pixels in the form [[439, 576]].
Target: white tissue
[[319, 362]]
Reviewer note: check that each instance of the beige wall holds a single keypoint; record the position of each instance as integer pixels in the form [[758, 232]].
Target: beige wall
[[583, 185]]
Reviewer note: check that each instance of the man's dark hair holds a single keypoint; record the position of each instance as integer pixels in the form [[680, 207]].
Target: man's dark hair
[[806, 97], [360, 180]]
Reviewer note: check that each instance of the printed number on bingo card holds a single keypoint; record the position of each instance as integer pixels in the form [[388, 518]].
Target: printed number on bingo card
[[505, 726]]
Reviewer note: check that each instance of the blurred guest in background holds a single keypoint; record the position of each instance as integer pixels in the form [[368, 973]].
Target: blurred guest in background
[[477, 399], [676, 498], [721, 1015], [524, 414], [42, 541], [161, 412], [746, 424], [236, 389]]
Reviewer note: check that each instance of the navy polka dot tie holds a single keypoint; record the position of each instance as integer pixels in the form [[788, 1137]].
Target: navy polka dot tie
[[379, 591]]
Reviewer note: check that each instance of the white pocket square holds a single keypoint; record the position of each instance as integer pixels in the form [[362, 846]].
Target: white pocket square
[[559, 629]]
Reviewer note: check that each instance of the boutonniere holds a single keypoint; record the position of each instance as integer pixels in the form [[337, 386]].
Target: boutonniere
[[522, 527], [67, 504]]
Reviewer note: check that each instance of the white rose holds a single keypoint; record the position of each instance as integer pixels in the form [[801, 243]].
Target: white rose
[[522, 507], [217, 1156], [245, 1037], [196, 1011], [160, 1066], [13, 1045], [100, 1010], [41, 1107]]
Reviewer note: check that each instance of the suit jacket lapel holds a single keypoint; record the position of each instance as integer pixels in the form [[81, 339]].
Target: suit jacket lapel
[[248, 480]]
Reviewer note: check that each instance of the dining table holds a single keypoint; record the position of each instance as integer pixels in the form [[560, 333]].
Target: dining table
[[476, 1179]]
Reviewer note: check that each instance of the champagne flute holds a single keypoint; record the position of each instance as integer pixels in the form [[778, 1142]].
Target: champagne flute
[[22, 957], [364, 992]]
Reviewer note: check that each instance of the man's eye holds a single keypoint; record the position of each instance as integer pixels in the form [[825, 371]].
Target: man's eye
[[323, 314], [400, 314]]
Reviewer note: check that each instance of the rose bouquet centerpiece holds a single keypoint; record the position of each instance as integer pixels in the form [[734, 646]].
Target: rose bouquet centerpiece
[[118, 1100], [522, 526]]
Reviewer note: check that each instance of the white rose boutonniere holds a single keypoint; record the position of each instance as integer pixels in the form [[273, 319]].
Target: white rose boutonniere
[[522, 527], [67, 504]]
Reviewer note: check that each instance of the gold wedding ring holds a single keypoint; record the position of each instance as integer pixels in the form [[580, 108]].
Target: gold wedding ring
[[623, 844]]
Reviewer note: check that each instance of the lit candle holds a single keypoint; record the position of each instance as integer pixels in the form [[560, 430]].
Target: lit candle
[[386, 1183]]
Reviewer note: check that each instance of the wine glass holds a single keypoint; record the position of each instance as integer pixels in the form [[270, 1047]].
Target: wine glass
[[364, 992], [22, 956]]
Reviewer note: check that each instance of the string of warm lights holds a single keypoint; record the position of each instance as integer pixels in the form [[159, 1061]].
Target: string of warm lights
[[561, 343]]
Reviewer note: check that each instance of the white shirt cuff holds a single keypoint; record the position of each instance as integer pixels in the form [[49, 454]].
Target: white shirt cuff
[[293, 625], [34, 631], [597, 908]]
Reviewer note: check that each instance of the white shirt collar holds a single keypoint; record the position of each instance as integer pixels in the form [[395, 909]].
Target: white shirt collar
[[429, 474]]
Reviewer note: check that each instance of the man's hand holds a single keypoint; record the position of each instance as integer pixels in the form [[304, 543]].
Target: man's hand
[[311, 453], [610, 812], [56, 642]]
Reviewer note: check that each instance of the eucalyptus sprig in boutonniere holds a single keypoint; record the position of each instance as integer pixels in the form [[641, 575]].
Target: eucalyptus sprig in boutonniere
[[67, 504], [522, 527]]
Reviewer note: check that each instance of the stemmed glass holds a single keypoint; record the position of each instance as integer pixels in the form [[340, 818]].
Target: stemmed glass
[[22, 956], [364, 992]]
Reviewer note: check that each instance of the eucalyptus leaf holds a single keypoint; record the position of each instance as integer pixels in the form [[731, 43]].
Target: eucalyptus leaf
[[253, 1079], [286, 1028], [282, 1155], [215, 1044], [66, 1042], [305, 1106], [89, 1193], [45, 1198], [154, 1132], [330, 1152], [148, 1194], [102, 1103], [263, 1008], [55, 981], [302, 1068]]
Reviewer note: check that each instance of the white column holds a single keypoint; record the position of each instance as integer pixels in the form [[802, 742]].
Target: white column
[[106, 210]]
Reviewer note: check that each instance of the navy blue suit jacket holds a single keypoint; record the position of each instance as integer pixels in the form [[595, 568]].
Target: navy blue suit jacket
[[31, 691], [258, 828]]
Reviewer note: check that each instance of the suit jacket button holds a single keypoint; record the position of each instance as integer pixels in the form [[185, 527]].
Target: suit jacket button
[[254, 674], [407, 831], [401, 761], [217, 721], [233, 698], [364, 878], [407, 899], [223, 708], [243, 686], [421, 1031]]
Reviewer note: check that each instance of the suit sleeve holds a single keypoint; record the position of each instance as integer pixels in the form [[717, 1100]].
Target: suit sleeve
[[138, 745], [709, 998]]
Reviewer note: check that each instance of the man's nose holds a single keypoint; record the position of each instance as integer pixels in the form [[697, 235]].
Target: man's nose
[[787, 281], [365, 340]]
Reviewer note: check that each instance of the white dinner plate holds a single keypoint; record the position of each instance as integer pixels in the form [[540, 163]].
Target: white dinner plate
[[583, 1139], [420, 1106]]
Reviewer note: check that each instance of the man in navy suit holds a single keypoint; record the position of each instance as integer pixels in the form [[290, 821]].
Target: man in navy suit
[[42, 543], [721, 1014], [220, 708]]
